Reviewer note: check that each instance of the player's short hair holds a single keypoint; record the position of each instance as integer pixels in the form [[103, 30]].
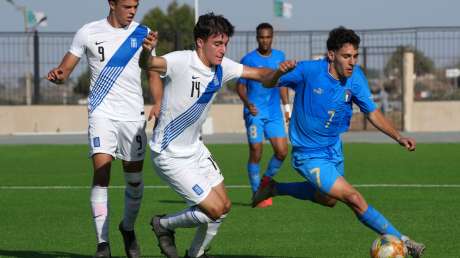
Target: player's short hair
[[211, 24], [264, 25], [341, 36]]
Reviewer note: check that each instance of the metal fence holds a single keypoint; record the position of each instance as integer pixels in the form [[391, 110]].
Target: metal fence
[[25, 59]]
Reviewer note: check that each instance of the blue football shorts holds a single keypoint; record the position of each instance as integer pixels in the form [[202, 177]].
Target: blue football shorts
[[320, 167], [257, 128]]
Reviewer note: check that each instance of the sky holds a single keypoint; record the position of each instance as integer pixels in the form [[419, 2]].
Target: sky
[[70, 15]]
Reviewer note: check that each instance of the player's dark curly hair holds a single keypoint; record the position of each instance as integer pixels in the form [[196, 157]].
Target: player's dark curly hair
[[340, 36], [210, 24], [264, 25]]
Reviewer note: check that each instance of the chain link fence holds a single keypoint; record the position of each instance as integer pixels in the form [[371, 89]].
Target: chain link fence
[[25, 59]]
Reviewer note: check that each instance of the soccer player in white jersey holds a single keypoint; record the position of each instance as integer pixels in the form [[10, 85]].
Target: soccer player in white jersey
[[192, 79], [115, 112]]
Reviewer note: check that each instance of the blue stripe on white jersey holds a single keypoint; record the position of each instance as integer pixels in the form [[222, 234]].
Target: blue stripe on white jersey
[[115, 67], [191, 115]]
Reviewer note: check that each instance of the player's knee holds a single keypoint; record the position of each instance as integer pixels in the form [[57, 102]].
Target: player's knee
[[326, 201], [330, 202], [227, 206], [281, 154], [134, 185], [216, 211], [255, 158], [354, 198]]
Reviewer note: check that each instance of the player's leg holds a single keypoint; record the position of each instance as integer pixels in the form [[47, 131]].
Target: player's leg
[[307, 190], [254, 130], [275, 132], [206, 232], [196, 180], [253, 166], [103, 142], [367, 214], [131, 150]]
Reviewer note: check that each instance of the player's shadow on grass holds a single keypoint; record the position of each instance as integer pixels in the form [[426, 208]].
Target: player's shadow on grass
[[182, 202], [258, 256], [51, 254], [38, 254]]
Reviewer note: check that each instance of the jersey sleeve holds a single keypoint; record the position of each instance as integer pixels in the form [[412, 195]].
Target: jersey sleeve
[[361, 94], [174, 62], [231, 70], [242, 80], [78, 46], [293, 78]]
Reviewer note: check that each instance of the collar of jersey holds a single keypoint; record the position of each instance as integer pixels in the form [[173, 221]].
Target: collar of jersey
[[198, 64]]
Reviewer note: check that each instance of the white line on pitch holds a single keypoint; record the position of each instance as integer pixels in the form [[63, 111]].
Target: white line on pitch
[[65, 187]]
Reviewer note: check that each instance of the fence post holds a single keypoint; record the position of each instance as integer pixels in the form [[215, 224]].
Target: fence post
[[36, 68], [408, 82], [28, 88], [365, 73]]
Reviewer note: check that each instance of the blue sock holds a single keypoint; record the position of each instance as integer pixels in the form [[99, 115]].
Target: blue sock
[[299, 190], [273, 167], [253, 174], [377, 222]]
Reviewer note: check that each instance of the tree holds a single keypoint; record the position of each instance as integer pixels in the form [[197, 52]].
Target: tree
[[423, 64], [175, 27]]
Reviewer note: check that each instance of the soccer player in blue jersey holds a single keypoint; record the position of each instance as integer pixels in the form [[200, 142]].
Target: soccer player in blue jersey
[[262, 111], [324, 92]]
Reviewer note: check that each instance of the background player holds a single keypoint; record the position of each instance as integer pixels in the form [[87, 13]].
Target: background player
[[179, 157], [115, 112], [262, 111], [324, 93]]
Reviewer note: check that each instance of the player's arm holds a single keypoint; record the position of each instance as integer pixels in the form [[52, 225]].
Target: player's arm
[[156, 91], [241, 89], [284, 94], [61, 73], [384, 125], [150, 62], [268, 77]]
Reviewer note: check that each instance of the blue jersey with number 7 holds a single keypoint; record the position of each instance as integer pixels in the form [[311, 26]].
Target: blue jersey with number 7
[[322, 107]]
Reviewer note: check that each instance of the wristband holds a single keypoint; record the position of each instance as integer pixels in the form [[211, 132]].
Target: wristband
[[287, 108]]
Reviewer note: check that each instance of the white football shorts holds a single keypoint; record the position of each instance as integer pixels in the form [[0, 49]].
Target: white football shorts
[[124, 140], [192, 177]]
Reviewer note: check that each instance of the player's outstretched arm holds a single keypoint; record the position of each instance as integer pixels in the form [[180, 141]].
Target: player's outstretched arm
[[384, 125], [268, 77], [61, 73], [150, 62]]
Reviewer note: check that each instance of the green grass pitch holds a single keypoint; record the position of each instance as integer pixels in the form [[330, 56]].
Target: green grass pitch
[[421, 199]]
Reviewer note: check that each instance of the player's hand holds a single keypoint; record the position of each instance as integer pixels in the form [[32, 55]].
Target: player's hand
[[408, 143], [151, 41], [56, 75], [287, 117], [287, 66], [252, 109], [154, 112]]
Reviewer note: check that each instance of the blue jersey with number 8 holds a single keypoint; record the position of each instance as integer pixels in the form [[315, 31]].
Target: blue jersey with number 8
[[322, 107]]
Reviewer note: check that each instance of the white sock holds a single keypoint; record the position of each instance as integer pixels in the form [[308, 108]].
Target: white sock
[[203, 237], [100, 211], [188, 218], [133, 196]]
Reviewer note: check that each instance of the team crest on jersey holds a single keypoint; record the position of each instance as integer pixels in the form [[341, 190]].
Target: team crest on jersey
[[96, 142], [197, 189], [133, 43], [318, 91], [347, 97]]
